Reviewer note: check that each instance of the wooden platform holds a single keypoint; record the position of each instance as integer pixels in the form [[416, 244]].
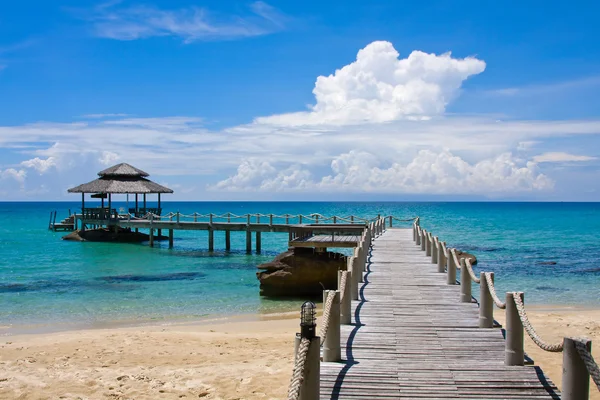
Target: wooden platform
[[411, 338], [326, 241]]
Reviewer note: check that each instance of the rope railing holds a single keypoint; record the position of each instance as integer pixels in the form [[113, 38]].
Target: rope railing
[[517, 321], [590, 363], [298, 374], [326, 316]]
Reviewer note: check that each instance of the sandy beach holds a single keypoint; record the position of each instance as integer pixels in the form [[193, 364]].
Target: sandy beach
[[234, 359]]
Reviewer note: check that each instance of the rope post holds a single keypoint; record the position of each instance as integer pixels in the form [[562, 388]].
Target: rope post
[[334, 219], [271, 220], [451, 275], [195, 217], [575, 377], [417, 235], [441, 258], [428, 239], [300, 218], [486, 303], [287, 219], [358, 255], [310, 385], [465, 283], [332, 351], [391, 221], [435, 250], [423, 239], [352, 266], [346, 301], [513, 352], [363, 256], [210, 219]]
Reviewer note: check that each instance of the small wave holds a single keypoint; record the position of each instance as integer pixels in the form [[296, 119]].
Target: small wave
[[175, 276], [552, 289]]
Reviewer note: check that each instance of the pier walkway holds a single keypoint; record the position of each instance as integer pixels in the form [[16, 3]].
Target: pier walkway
[[411, 337]]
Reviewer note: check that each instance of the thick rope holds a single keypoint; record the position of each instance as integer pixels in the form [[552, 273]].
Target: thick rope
[[326, 315], [343, 280], [298, 374], [530, 331], [470, 269], [490, 283], [589, 361]]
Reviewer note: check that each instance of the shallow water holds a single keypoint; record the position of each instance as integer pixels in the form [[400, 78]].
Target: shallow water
[[548, 250]]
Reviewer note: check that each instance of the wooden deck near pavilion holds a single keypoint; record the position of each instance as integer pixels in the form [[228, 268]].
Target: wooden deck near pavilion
[[411, 338]]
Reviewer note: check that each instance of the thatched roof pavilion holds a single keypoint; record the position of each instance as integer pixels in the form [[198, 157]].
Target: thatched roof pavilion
[[119, 179]]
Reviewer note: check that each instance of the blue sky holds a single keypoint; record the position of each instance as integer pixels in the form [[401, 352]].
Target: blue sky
[[223, 100]]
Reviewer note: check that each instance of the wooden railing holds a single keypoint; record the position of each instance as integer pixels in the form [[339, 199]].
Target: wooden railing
[[578, 363]]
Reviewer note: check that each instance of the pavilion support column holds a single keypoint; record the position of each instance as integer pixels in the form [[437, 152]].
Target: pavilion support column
[[258, 242], [159, 213], [211, 240], [145, 203], [227, 240], [109, 206], [136, 205], [151, 241], [82, 211], [248, 242], [170, 238]]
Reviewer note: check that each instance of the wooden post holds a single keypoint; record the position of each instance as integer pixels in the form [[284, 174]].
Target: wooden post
[[311, 385], [417, 235], [195, 217], [575, 377], [287, 219], [300, 218], [346, 304], [441, 259], [486, 303], [258, 242], [352, 266], [428, 244], [423, 239], [513, 352], [391, 221], [227, 240], [334, 219], [151, 241], [451, 276], [228, 217], [317, 218], [435, 249], [82, 212], [211, 240], [248, 242], [352, 219], [358, 260], [170, 238], [465, 283], [332, 351], [210, 219], [271, 220]]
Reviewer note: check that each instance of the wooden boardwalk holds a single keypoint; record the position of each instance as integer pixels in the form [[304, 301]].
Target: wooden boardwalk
[[412, 338]]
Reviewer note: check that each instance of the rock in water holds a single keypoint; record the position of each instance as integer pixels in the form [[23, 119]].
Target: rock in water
[[462, 254], [300, 272]]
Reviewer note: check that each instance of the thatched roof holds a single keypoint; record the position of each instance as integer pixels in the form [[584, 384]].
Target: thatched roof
[[123, 169], [122, 178]]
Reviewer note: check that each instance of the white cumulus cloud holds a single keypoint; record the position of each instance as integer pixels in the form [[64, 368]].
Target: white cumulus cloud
[[39, 164], [379, 87]]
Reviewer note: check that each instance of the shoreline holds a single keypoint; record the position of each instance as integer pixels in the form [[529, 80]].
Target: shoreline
[[247, 356]]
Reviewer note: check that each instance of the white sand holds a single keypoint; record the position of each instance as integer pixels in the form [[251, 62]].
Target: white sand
[[233, 360]]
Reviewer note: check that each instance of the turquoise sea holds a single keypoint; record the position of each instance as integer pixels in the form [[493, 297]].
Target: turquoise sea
[[548, 250]]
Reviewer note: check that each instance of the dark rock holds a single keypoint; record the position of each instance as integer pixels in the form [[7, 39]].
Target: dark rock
[[300, 272], [545, 263], [461, 254], [109, 235]]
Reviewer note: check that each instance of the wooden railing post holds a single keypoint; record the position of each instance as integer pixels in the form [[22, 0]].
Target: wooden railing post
[[434, 250], [417, 236], [575, 377], [331, 344], [514, 353], [391, 221], [346, 302], [428, 239], [451, 273], [334, 219], [441, 259], [486, 303], [423, 239], [353, 266], [358, 254], [311, 384], [465, 283]]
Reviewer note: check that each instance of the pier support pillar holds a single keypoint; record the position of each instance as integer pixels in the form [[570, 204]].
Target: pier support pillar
[[576, 377], [211, 240], [151, 240], [331, 345], [465, 283], [159, 233], [258, 242], [346, 301], [170, 238], [513, 352], [486, 303], [248, 242], [227, 240]]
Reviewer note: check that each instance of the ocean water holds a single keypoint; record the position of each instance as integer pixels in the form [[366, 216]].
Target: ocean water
[[548, 250]]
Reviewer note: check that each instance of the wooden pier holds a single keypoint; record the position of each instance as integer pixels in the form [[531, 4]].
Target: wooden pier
[[412, 338], [401, 326]]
